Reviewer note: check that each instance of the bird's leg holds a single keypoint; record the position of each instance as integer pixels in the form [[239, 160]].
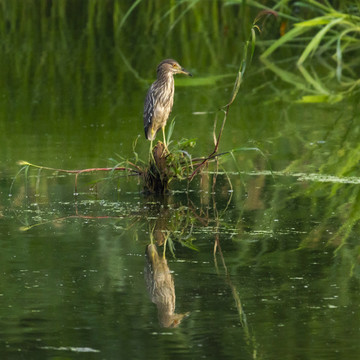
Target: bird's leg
[[151, 155], [165, 144]]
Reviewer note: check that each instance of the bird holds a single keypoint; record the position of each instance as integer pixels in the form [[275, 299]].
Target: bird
[[160, 99]]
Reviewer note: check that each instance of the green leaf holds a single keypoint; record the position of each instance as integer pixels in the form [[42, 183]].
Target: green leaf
[[291, 35], [287, 76], [131, 9], [314, 99], [311, 99], [322, 20], [170, 130], [314, 43], [315, 82], [235, 89], [338, 59]]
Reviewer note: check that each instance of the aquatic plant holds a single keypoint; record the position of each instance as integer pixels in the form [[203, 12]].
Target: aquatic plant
[[330, 38]]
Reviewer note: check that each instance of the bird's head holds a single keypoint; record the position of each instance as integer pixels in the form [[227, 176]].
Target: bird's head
[[171, 66]]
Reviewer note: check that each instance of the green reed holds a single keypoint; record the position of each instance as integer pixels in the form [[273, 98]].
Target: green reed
[[91, 47], [329, 37]]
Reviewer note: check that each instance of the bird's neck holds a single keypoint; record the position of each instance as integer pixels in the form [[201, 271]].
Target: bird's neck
[[166, 79]]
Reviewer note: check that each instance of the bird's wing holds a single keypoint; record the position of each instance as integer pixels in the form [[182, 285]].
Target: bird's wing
[[149, 109]]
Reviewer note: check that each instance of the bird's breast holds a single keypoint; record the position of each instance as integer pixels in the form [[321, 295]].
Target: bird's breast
[[164, 100]]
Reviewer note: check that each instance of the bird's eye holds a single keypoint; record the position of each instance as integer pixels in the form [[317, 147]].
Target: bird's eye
[[173, 65]]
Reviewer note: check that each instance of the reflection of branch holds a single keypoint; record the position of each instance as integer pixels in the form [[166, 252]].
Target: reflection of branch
[[200, 219], [88, 217], [236, 297], [250, 340], [78, 216]]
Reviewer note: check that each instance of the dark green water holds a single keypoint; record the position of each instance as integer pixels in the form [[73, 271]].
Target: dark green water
[[261, 263]]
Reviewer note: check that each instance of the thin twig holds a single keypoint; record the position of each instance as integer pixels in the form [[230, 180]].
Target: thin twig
[[213, 154], [243, 65], [80, 171]]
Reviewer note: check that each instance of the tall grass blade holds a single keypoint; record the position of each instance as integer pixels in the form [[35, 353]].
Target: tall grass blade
[[191, 5], [170, 130], [316, 83], [314, 43], [321, 20], [316, 99], [339, 57], [286, 76], [131, 9], [291, 35]]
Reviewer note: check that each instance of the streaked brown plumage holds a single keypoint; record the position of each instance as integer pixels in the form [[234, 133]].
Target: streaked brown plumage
[[161, 287], [160, 98]]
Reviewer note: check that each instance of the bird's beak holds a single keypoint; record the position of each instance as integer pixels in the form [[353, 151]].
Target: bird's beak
[[184, 71]]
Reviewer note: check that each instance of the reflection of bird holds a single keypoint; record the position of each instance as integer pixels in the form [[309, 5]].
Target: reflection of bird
[[160, 98], [160, 284]]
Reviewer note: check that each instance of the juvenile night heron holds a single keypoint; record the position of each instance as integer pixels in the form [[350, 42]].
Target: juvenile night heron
[[160, 99]]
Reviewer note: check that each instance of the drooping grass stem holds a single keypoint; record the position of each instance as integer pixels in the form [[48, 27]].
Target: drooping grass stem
[[246, 59]]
